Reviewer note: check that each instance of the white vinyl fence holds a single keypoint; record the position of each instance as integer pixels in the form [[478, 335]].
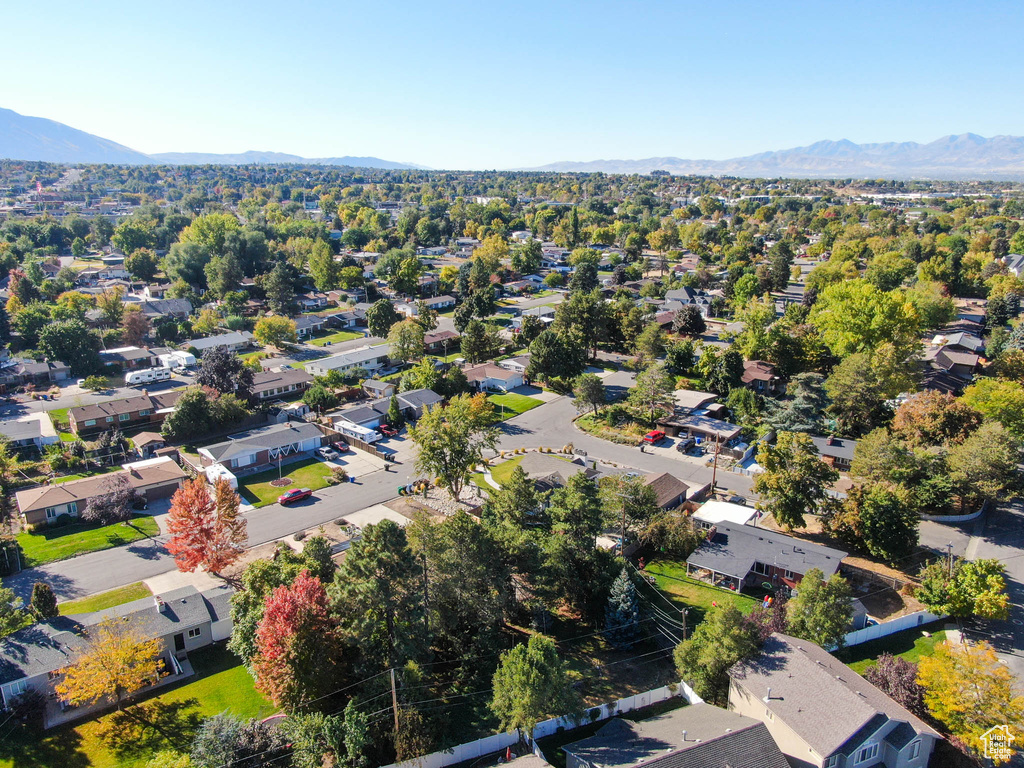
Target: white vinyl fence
[[491, 744], [875, 631]]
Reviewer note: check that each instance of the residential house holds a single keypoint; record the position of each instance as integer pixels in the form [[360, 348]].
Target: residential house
[[268, 385], [702, 428], [129, 358], [762, 377], [369, 359], [125, 413], [31, 429], [518, 364], [373, 414], [155, 290], [545, 314], [681, 297], [549, 472], [179, 309], [307, 326], [183, 620], [148, 443], [311, 301], [235, 341], [259, 448], [697, 736], [670, 492], [16, 372], [1014, 263], [436, 303], [953, 360], [961, 341], [440, 342], [345, 318], [823, 714], [737, 556], [519, 286], [153, 479], [488, 376], [379, 389], [837, 452]]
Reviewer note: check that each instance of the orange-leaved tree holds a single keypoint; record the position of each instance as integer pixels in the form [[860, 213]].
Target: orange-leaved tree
[[206, 532], [117, 661]]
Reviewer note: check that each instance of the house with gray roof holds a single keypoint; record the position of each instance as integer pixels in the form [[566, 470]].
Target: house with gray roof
[[259, 448], [369, 359], [835, 451], [698, 736], [30, 429], [182, 620], [235, 341], [735, 556], [823, 714], [375, 412]]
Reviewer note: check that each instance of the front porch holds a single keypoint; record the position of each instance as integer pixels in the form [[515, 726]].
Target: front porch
[[714, 578]]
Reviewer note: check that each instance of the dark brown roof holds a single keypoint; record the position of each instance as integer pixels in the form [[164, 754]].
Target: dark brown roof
[[145, 402], [758, 370], [666, 487]]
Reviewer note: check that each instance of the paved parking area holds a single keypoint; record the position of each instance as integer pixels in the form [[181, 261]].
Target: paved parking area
[[357, 463], [375, 514]]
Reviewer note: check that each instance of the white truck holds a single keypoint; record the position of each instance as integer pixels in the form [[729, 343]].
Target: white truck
[[147, 376]]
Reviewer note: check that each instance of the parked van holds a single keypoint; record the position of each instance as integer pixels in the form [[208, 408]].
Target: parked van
[[147, 376]]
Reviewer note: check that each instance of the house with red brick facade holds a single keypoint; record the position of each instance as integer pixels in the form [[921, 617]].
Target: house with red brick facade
[[145, 409]]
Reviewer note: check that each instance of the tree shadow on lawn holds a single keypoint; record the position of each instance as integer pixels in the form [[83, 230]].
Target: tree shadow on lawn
[[149, 727], [25, 745]]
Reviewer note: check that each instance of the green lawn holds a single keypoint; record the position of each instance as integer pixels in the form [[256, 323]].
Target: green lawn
[[672, 580], [910, 644], [308, 473], [510, 404], [105, 600], [51, 544], [59, 414], [334, 338], [220, 684], [82, 476]]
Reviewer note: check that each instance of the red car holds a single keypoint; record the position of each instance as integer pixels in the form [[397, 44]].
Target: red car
[[387, 431], [294, 494], [654, 436]]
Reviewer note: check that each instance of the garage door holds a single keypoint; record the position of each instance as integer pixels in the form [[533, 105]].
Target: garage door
[[161, 491]]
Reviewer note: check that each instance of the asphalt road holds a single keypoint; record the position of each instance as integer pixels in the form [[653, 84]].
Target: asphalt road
[[1002, 538], [100, 571]]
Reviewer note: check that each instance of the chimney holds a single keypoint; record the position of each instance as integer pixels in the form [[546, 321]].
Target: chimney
[[684, 736], [161, 606], [830, 441], [769, 696]]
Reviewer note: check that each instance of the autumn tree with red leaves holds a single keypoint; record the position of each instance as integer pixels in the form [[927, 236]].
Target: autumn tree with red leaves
[[207, 533], [297, 646]]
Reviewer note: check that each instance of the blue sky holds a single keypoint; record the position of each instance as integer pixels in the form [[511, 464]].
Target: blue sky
[[514, 84]]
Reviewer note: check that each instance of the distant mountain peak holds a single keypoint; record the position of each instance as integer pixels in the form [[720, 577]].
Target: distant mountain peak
[[37, 138], [961, 156]]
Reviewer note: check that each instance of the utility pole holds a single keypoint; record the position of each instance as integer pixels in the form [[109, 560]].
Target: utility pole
[[684, 611], [394, 699], [714, 470], [949, 560], [426, 594]]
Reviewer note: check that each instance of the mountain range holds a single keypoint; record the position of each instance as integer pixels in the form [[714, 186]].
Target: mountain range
[[951, 157], [966, 156], [36, 138]]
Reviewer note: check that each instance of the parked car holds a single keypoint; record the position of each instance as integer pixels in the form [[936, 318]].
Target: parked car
[[327, 453], [654, 436], [387, 431], [683, 446], [293, 495]]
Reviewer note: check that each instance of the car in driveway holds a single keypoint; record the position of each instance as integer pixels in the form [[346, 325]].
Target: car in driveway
[[654, 436], [327, 453], [387, 430], [294, 494]]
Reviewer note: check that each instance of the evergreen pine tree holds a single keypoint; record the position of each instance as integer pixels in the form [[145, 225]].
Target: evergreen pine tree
[[622, 615], [395, 417], [43, 602]]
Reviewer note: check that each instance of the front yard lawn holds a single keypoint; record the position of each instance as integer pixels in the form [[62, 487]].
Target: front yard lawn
[[220, 684], [671, 579], [105, 600], [910, 644], [308, 473], [510, 404], [52, 544], [334, 338]]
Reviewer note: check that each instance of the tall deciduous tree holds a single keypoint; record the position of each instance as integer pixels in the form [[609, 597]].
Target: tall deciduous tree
[[275, 331], [380, 317], [688, 321], [652, 392], [205, 533], [225, 372], [297, 646], [968, 690], [113, 503], [718, 642], [965, 588], [854, 316], [530, 684], [589, 392], [897, 677], [116, 661], [135, 326], [406, 340], [794, 479], [821, 610], [452, 440]]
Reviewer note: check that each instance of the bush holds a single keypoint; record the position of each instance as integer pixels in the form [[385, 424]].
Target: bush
[[61, 520], [300, 535], [338, 475]]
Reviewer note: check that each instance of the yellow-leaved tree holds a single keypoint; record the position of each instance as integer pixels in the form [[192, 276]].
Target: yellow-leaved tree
[[969, 691], [117, 661]]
